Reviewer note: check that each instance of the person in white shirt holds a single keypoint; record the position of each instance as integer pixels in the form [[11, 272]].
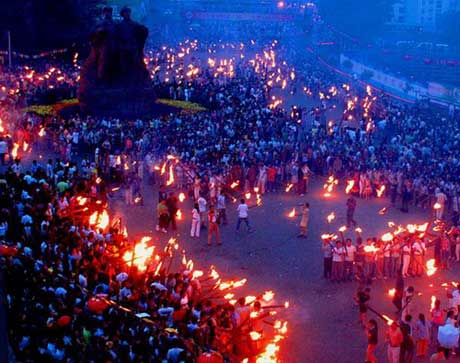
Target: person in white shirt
[[418, 253], [350, 251], [202, 208], [196, 222], [242, 215], [221, 209], [441, 199], [406, 250], [387, 260], [338, 254]]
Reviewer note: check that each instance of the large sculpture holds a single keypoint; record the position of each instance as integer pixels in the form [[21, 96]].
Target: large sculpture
[[114, 80]]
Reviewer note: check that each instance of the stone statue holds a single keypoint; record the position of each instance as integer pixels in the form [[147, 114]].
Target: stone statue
[[114, 79]]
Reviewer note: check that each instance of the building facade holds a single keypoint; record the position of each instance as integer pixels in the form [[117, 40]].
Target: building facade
[[421, 14]]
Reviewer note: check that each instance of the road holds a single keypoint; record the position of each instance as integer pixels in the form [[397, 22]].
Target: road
[[323, 320]]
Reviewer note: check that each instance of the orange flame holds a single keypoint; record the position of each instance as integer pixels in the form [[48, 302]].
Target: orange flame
[[289, 187], [430, 267], [370, 248], [142, 253], [292, 213], [350, 185], [268, 296], [330, 217], [387, 319], [391, 292], [179, 215], [170, 180], [255, 335], [433, 302], [14, 152], [380, 191], [387, 237], [181, 197]]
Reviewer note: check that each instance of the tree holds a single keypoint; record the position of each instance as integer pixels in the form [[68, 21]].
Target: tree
[[362, 19]]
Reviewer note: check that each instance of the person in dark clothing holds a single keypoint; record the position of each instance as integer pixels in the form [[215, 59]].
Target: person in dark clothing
[[171, 203], [408, 346], [372, 340], [399, 292], [362, 297], [351, 206], [162, 195]]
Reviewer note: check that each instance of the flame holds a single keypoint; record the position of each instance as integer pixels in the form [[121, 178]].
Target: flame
[[93, 219], [371, 248], [328, 236], [358, 230], [292, 213], [430, 267], [268, 296], [387, 237], [343, 229], [383, 211], [249, 299], [14, 152], [229, 296], [142, 253], [289, 187], [103, 220], [329, 186], [234, 184], [170, 180], [179, 215], [214, 274], [350, 185], [391, 292], [388, 320], [330, 217], [422, 227], [433, 302], [256, 190], [255, 335], [380, 191], [82, 201], [181, 197], [247, 195], [41, 132], [163, 168], [437, 206], [137, 200]]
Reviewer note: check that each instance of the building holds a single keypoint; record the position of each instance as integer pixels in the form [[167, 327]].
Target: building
[[421, 14]]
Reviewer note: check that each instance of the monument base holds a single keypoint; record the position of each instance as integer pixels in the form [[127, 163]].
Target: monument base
[[125, 102]]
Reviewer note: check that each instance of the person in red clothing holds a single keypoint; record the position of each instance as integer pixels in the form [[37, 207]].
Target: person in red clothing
[[213, 226], [271, 176]]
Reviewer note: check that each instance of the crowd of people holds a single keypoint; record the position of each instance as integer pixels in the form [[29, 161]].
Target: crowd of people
[[67, 290], [71, 298], [412, 336]]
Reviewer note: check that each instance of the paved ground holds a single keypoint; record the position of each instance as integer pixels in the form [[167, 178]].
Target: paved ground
[[272, 257]]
